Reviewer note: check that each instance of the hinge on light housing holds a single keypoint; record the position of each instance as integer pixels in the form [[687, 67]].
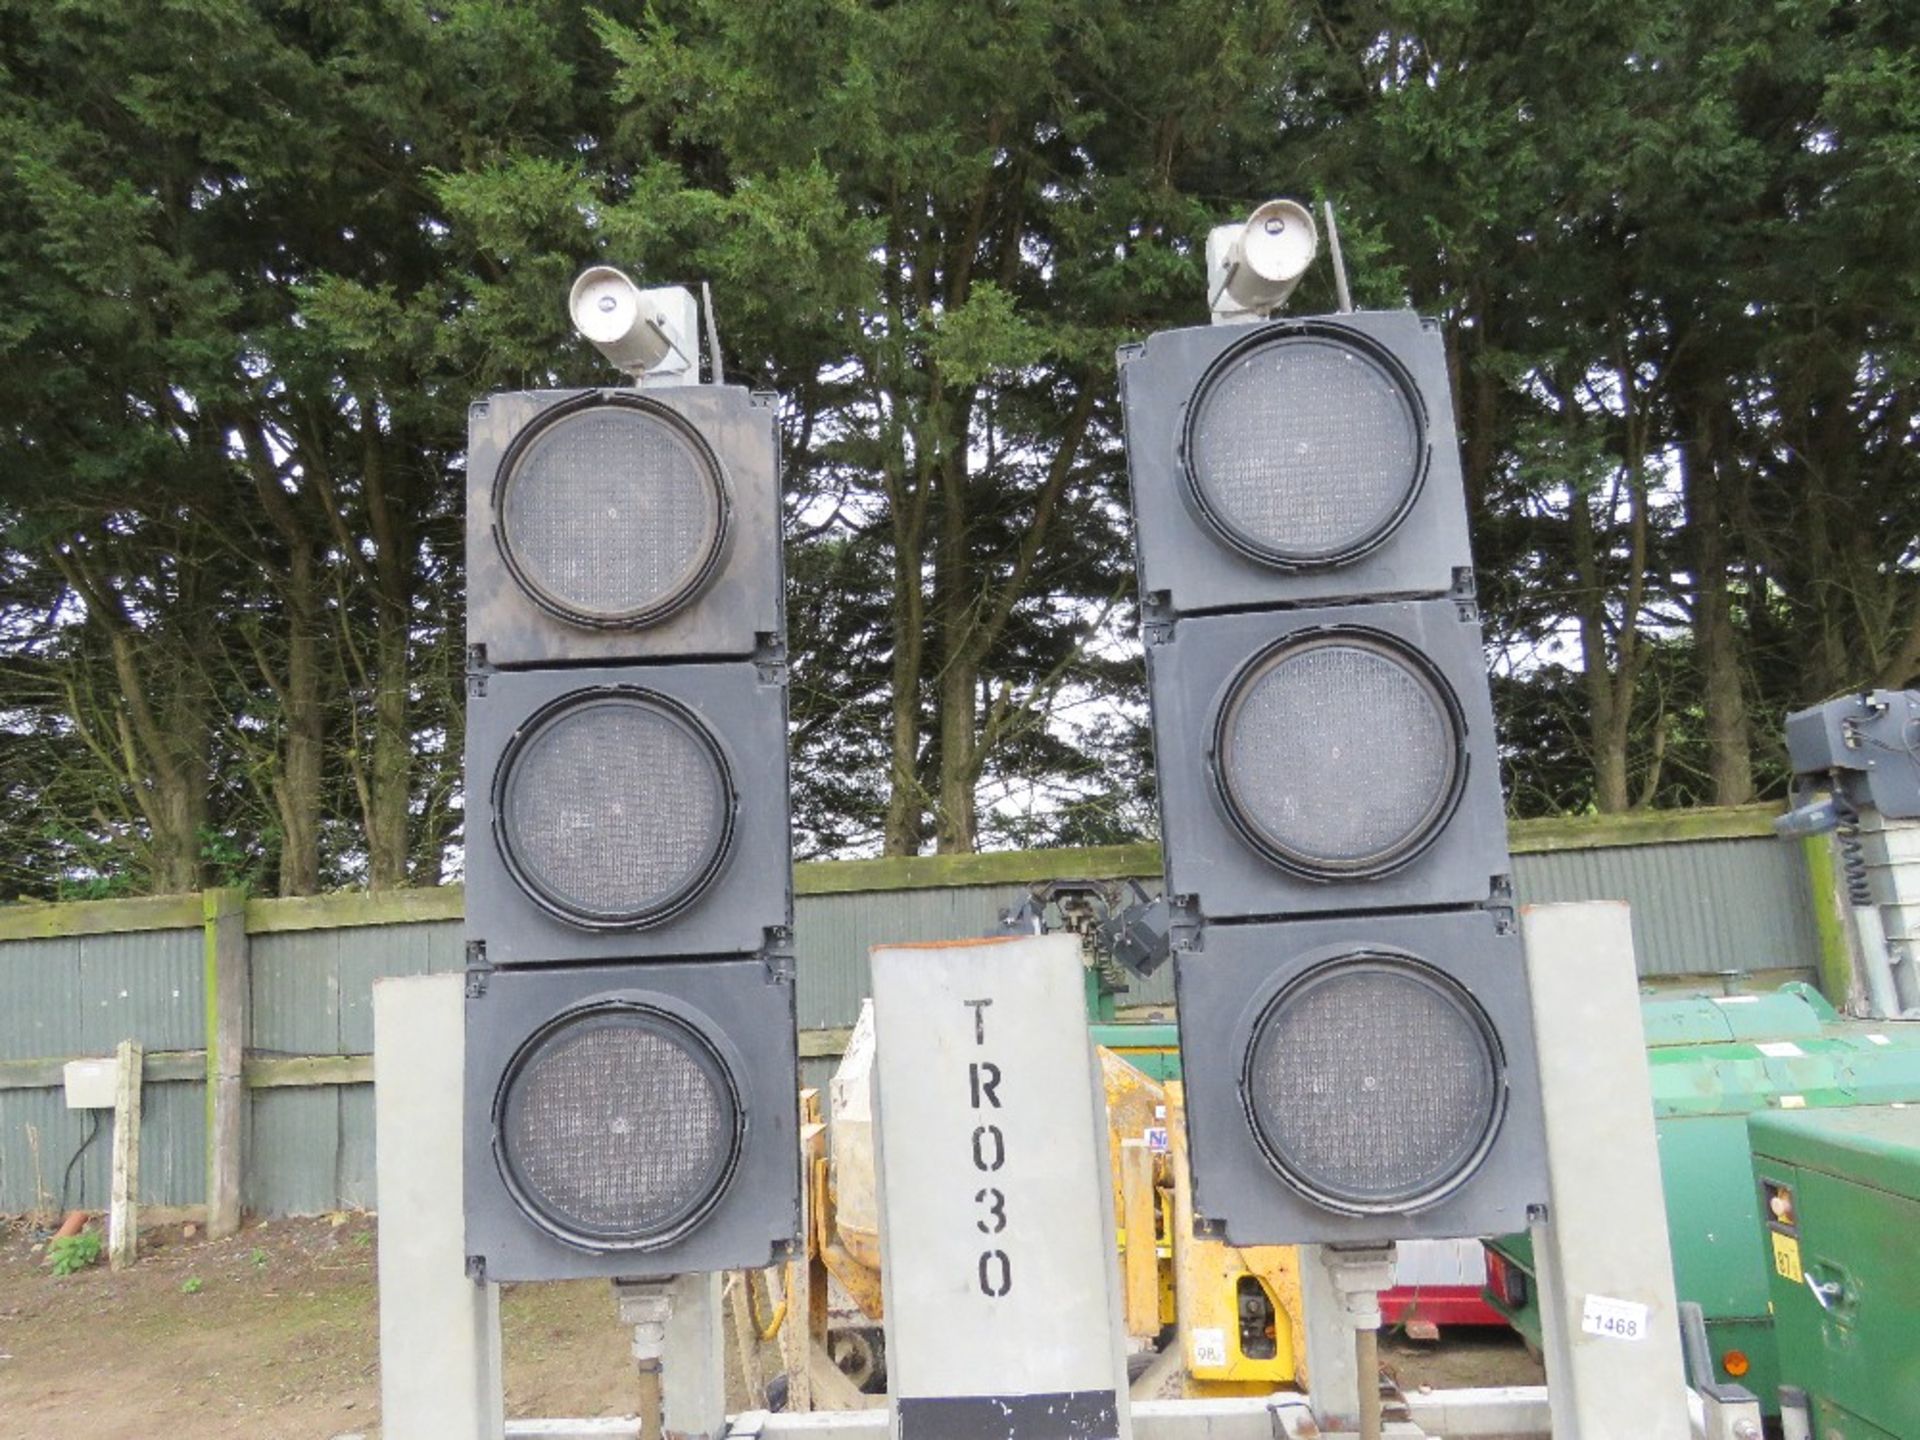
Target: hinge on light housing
[[1184, 924], [778, 955], [1156, 618], [770, 658]]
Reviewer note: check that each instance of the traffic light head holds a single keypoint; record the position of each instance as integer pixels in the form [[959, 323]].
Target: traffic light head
[[631, 1087], [618, 525], [1354, 1023], [637, 1120], [1363, 1078], [624, 812], [1326, 759], [1291, 463]]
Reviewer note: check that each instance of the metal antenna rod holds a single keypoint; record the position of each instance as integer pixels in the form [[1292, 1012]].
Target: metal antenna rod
[[1339, 260], [713, 336]]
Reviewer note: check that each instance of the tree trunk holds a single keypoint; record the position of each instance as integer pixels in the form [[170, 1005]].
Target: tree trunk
[[955, 599], [154, 731], [1716, 639], [1609, 696], [390, 787], [902, 828], [297, 798], [173, 787], [390, 783]]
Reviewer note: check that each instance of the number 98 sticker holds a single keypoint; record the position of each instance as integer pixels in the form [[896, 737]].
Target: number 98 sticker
[[1209, 1349], [1612, 1319]]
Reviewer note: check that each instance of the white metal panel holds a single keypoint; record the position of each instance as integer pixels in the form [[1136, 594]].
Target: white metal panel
[[1002, 1283], [439, 1331], [1603, 1252]]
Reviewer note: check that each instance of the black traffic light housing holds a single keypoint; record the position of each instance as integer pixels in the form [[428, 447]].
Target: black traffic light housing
[[1292, 1145], [1330, 807], [641, 1120], [567, 563], [631, 811], [631, 1074], [1210, 536], [1274, 802]]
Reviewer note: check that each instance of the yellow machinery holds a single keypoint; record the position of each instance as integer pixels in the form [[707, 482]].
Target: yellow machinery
[[1236, 1312]]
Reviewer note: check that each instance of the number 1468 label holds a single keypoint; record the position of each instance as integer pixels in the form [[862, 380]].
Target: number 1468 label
[[1614, 1319]]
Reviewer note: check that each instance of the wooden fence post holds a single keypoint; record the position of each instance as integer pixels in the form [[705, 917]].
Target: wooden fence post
[[229, 995], [123, 1212]]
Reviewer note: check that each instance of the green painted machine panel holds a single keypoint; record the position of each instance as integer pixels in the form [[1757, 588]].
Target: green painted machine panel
[[1853, 1178], [1713, 1220], [1830, 1422], [1878, 1147], [1704, 1020]]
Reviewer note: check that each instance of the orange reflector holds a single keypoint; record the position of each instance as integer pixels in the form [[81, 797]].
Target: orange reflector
[[1735, 1363]]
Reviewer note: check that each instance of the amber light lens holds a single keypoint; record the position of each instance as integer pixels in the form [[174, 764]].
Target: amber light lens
[[1340, 753], [1735, 1363], [614, 808]]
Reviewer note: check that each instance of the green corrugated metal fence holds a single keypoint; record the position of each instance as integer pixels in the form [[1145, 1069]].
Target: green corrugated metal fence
[[1711, 891]]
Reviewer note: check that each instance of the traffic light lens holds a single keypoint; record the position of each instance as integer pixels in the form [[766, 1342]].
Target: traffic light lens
[[617, 1127], [612, 514], [1340, 754], [1304, 450], [614, 808], [1374, 1084]]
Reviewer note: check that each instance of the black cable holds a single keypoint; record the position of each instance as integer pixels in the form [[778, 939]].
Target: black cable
[[1853, 858], [66, 1180]]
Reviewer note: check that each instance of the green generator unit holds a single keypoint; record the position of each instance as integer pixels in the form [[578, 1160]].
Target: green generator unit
[[1714, 1061], [1840, 1193]]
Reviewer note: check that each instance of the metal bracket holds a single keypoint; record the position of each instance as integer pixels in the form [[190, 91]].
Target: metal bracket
[[1185, 928], [1360, 1273], [1156, 618], [1139, 937]]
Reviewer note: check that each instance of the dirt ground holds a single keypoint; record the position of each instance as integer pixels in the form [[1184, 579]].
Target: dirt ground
[[273, 1335], [1463, 1356]]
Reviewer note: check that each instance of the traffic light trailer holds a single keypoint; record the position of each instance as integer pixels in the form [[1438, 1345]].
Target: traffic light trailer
[[1375, 1045]]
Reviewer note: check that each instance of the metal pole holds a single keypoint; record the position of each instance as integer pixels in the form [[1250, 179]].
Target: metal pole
[[1608, 1315], [1359, 1273], [652, 1399], [678, 1354], [1339, 260], [439, 1330], [1366, 1359]]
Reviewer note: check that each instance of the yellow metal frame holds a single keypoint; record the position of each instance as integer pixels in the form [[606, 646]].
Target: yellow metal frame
[[1206, 1285], [1170, 1277]]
